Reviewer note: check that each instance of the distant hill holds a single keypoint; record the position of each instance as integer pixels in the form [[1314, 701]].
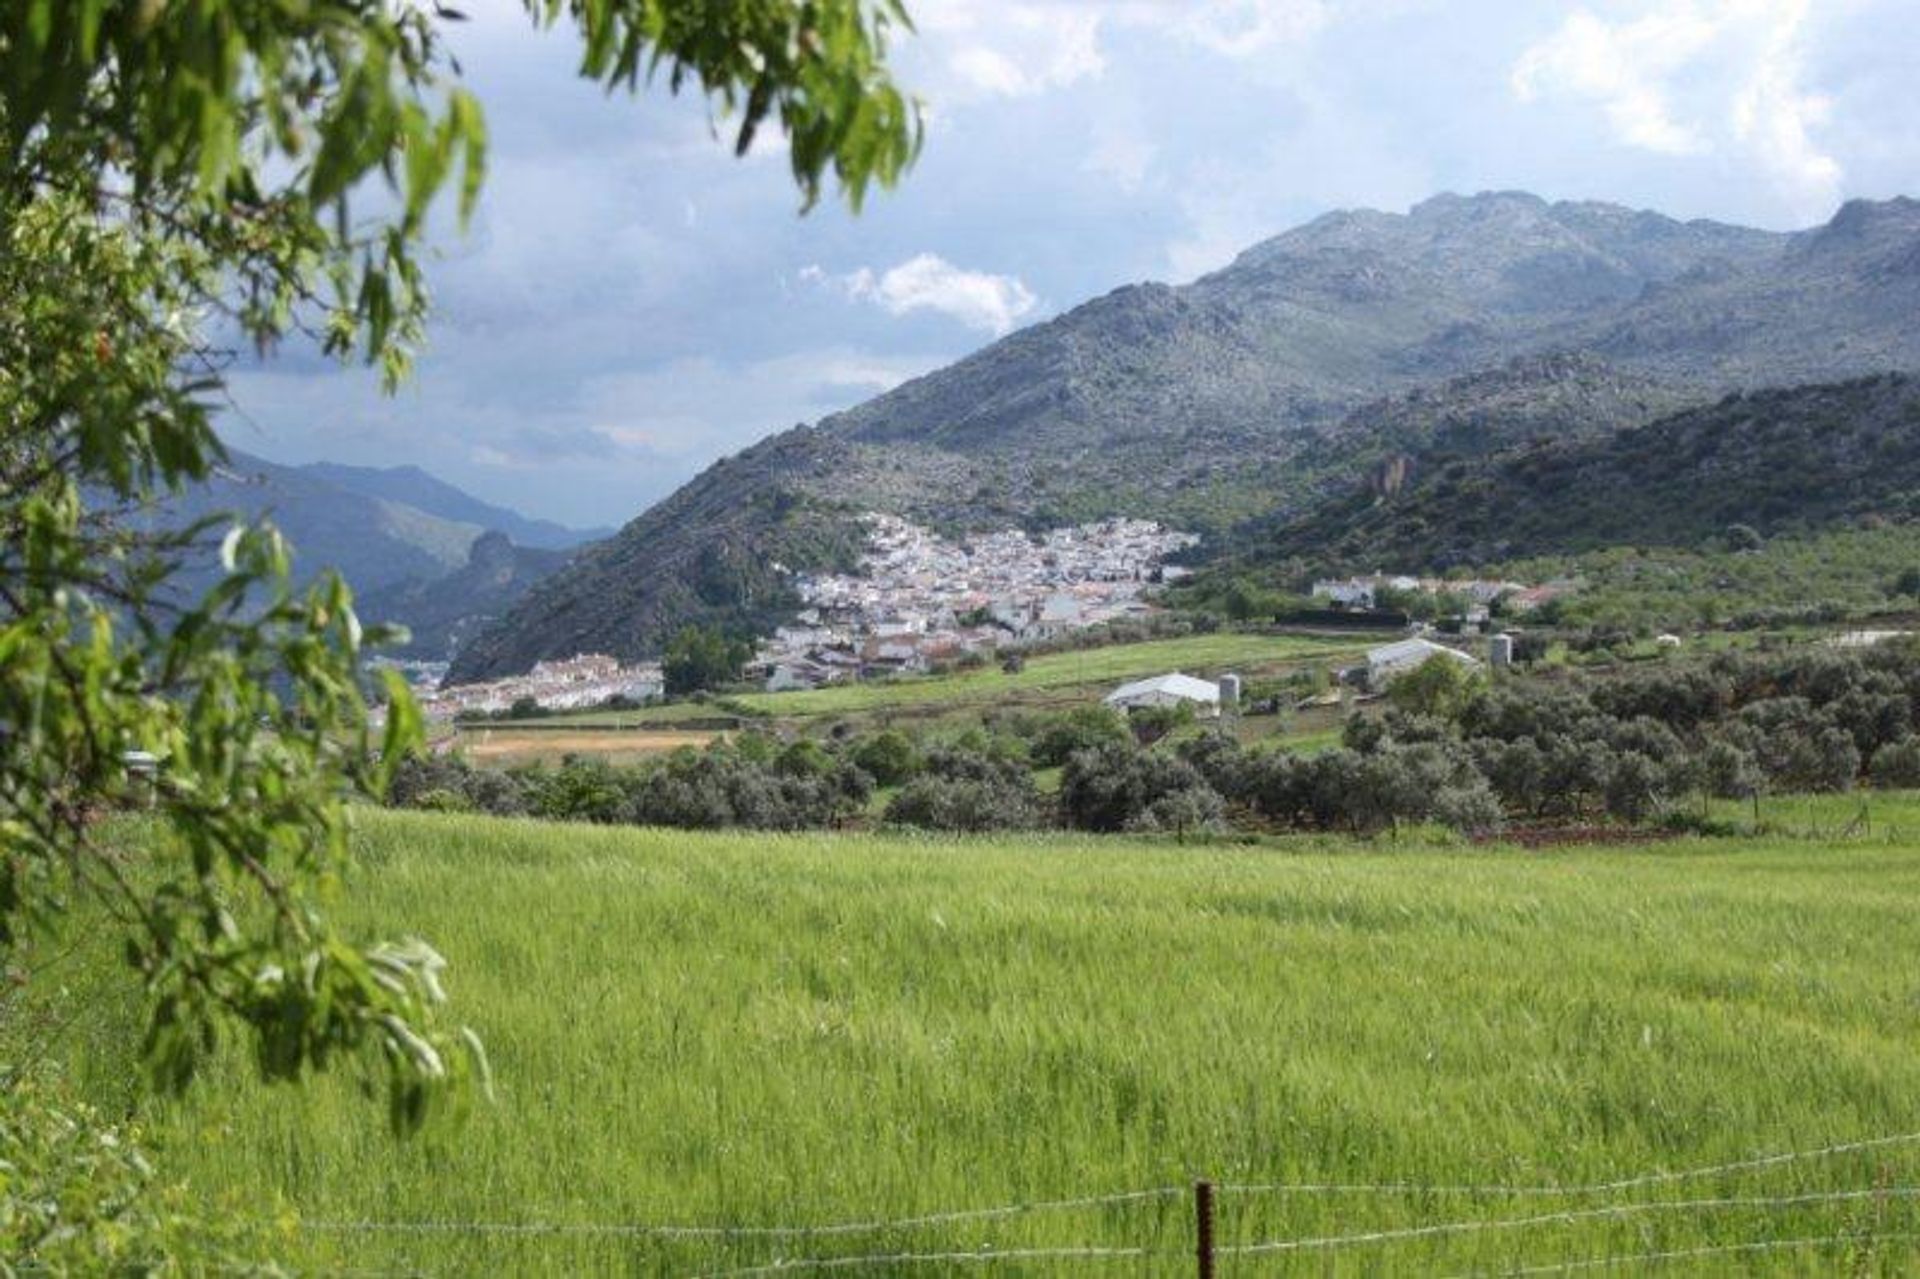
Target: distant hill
[[1253, 392], [372, 541], [442, 578], [1779, 461], [442, 612], [414, 487]]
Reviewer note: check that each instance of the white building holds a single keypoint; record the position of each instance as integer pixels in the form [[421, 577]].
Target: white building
[[1347, 593], [1167, 690], [1389, 660]]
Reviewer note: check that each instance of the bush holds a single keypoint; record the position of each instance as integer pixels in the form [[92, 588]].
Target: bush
[[1190, 810], [966, 804], [441, 800], [580, 790], [1897, 766], [889, 757], [1082, 728], [1110, 786]]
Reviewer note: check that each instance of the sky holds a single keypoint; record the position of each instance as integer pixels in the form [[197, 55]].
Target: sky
[[632, 302]]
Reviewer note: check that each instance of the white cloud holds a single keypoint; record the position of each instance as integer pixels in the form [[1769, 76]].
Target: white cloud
[[1019, 48], [1013, 50], [928, 282], [1701, 77], [1772, 115]]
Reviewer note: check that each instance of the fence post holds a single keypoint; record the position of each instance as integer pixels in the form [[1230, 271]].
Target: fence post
[[1203, 1226]]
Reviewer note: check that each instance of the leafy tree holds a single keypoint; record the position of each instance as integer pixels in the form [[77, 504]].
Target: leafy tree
[[176, 177], [1897, 766], [1081, 728], [950, 803], [889, 757], [702, 657], [1114, 785], [1439, 687], [1636, 786]]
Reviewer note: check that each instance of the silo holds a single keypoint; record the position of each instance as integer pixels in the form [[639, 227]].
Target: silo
[[1500, 650]]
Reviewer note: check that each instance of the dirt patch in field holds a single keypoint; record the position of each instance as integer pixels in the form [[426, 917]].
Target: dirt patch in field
[[1555, 836], [504, 746]]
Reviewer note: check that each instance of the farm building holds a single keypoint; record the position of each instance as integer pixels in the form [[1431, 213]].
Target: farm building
[[1167, 690], [1389, 660]]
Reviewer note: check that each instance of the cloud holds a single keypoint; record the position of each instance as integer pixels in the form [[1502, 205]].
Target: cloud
[[927, 282], [1699, 78], [1773, 116], [1123, 153], [1020, 48]]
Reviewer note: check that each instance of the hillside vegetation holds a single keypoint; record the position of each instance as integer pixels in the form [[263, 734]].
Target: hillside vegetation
[[1781, 461], [1212, 403], [761, 1031]]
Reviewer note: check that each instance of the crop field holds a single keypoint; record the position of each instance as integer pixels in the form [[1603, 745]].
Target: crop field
[[504, 745], [1395, 1058]]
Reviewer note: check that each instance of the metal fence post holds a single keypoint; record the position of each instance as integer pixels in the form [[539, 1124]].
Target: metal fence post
[[1203, 1226]]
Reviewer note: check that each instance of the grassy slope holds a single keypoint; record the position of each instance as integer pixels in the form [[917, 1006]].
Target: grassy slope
[[754, 1030]]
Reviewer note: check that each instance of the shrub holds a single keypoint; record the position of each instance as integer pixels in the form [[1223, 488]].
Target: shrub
[[889, 757], [1107, 787], [1189, 810], [1082, 728], [1897, 766], [966, 804]]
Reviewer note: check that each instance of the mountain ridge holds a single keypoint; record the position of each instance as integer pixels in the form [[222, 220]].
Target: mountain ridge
[[416, 487], [1210, 404]]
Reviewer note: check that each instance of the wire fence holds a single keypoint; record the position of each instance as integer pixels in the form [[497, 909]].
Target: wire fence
[[1206, 1253]]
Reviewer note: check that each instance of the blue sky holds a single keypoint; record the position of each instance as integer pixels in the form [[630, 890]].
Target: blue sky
[[632, 302]]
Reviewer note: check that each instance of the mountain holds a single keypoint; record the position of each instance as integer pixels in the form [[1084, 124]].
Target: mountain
[[372, 541], [1778, 461], [442, 578], [411, 486], [1233, 398], [443, 612]]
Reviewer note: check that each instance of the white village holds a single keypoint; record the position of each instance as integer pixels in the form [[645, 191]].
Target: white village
[[920, 600]]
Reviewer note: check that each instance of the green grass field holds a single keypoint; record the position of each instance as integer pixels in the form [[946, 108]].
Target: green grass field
[[750, 1031], [954, 700], [1195, 654]]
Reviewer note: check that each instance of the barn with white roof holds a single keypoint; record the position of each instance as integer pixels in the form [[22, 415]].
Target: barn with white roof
[[1167, 690]]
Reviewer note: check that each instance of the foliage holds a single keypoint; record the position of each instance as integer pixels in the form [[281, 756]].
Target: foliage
[[961, 801], [703, 657], [889, 757], [175, 177], [1083, 728], [78, 1196], [1116, 786], [1439, 688], [1029, 1007]]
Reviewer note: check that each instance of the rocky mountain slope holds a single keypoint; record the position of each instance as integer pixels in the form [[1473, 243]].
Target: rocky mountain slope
[[1254, 391], [445, 611], [1774, 461]]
